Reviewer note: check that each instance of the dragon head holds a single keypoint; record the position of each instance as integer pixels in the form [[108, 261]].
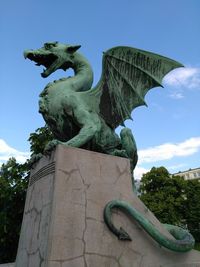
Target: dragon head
[[53, 56]]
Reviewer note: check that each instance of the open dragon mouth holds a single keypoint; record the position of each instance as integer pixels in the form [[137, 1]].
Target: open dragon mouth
[[48, 61]]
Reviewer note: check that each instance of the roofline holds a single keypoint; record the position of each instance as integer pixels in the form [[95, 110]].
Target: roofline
[[198, 168]]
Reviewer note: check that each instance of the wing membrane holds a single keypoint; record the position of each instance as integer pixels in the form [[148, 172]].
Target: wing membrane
[[127, 75]]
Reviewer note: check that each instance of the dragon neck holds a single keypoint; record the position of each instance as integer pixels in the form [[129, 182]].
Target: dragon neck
[[83, 79]]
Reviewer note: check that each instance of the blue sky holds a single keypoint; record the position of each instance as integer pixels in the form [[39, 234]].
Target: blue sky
[[168, 131]]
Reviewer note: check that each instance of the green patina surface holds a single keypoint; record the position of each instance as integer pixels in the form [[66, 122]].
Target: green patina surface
[[85, 117], [183, 241], [81, 116]]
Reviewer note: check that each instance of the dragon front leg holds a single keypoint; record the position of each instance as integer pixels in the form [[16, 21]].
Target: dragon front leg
[[84, 136], [89, 125]]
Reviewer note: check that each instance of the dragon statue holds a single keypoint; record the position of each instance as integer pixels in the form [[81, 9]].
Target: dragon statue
[[85, 117]]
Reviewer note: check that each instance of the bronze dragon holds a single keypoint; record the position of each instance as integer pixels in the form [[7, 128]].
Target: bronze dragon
[[85, 117]]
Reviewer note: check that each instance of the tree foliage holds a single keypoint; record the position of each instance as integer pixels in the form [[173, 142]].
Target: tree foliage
[[39, 139], [172, 199], [164, 195], [193, 208], [13, 184]]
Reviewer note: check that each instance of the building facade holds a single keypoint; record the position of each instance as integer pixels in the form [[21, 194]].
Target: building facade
[[189, 174]]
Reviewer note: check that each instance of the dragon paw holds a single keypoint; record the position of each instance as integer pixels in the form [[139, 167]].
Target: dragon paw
[[120, 153], [51, 145]]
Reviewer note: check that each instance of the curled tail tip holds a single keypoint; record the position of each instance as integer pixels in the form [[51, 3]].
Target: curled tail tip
[[124, 235]]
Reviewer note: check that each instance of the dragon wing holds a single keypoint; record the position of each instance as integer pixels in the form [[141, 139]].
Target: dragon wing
[[127, 75]]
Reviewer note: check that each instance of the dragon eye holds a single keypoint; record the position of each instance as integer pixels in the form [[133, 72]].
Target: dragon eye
[[49, 45]]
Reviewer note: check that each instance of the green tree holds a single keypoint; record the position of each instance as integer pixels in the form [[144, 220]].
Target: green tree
[[164, 195], [39, 139], [193, 208], [13, 184]]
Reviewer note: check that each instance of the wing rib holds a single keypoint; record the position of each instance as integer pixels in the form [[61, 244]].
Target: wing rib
[[127, 75]]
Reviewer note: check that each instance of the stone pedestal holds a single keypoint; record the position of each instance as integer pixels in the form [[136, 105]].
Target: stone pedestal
[[63, 219]]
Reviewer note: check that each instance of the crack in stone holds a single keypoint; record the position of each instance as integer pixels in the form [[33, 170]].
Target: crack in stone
[[36, 210], [86, 186], [134, 252], [82, 179], [103, 255], [32, 210], [93, 219], [120, 256], [121, 173], [69, 173], [40, 217], [41, 259], [31, 193], [38, 214], [68, 259]]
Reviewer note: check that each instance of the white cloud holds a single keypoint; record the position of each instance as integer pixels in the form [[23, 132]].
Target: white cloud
[[177, 95], [168, 151], [139, 171], [188, 77], [7, 152]]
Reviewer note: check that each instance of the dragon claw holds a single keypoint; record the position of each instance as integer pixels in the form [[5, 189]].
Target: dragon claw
[[50, 146]]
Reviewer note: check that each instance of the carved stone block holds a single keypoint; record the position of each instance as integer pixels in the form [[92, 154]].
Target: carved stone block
[[63, 222]]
